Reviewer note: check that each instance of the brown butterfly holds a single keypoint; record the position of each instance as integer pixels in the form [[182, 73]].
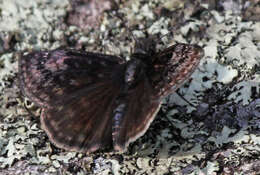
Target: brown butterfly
[[92, 101]]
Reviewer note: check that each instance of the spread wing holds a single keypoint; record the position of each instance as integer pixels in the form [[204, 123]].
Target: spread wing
[[48, 77], [81, 98], [94, 119], [77, 91], [91, 101], [83, 122]]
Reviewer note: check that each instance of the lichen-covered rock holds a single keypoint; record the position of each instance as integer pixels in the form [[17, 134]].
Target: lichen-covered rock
[[217, 132]]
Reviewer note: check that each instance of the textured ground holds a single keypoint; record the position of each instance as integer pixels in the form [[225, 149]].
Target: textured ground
[[220, 135]]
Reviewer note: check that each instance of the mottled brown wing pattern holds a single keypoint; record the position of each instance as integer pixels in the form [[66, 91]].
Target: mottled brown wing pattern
[[91, 101], [76, 90], [172, 66], [166, 71], [48, 77]]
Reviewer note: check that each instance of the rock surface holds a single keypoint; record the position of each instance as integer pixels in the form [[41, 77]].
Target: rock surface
[[218, 134]]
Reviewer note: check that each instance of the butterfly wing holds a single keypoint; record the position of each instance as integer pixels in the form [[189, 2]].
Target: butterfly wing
[[77, 91], [47, 77], [82, 122], [92, 101], [167, 71], [139, 111]]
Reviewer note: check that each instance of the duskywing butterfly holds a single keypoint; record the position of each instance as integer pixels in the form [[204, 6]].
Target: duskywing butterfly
[[92, 100]]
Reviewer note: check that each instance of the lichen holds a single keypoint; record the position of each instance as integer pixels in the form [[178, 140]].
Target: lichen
[[220, 132]]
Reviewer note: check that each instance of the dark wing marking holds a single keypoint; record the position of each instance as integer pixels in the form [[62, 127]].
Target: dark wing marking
[[47, 77]]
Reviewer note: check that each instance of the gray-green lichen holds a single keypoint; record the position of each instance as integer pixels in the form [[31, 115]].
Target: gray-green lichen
[[213, 136]]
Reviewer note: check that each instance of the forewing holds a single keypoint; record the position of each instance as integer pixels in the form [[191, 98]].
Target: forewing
[[76, 91], [48, 77], [173, 66]]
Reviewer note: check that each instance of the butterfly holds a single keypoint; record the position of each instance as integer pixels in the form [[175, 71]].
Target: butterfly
[[92, 101]]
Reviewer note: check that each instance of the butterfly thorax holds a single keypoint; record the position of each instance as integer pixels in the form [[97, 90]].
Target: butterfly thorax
[[134, 72]]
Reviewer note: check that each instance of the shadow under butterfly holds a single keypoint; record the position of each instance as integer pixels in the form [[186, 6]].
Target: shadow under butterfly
[[92, 101]]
